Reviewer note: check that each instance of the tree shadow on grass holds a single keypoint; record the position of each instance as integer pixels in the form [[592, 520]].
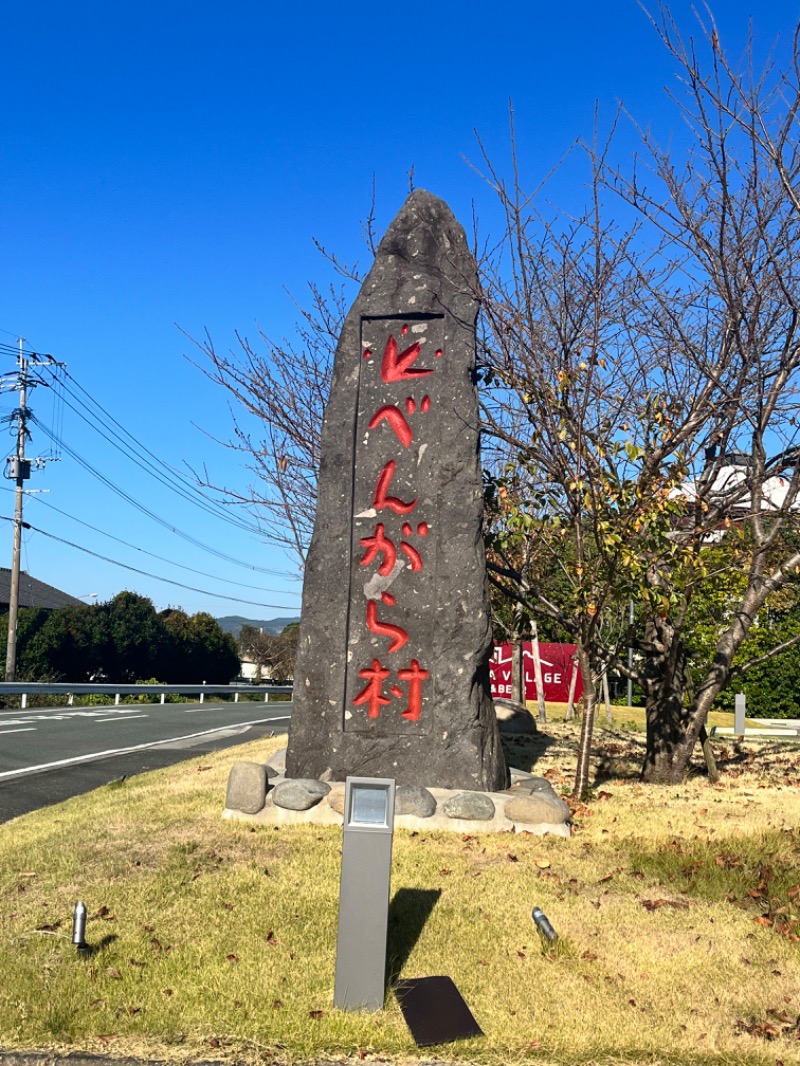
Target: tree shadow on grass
[[523, 750], [408, 912]]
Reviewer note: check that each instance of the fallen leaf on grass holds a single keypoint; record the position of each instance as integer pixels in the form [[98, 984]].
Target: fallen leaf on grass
[[270, 938], [27, 873], [316, 1014], [113, 973], [654, 904], [201, 769], [232, 957], [761, 919], [543, 864]]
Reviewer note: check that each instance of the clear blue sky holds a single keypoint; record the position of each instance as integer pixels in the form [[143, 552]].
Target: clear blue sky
[[168, 165]]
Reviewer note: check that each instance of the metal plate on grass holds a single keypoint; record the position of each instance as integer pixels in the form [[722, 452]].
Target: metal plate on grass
[[435, 1011]]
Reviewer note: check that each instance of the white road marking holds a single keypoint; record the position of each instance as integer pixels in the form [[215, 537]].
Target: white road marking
[[126, 751], [31, 729], [128, 717]]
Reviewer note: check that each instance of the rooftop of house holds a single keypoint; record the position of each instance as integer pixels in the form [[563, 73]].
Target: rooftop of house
[[34, 593]]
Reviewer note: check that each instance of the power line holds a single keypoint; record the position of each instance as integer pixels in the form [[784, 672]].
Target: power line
[[145, 573], [141, 507], [135, 547]]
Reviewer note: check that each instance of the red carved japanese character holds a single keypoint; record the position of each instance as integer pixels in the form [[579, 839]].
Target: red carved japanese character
[[396, 419], [372, 694], [413, 555], [381, 500], [385, 629], [397, 366], [415, 675], [379, 544]]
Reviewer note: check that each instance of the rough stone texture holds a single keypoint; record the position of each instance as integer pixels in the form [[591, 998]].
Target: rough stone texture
[[299, 795], [513, 717], [531, 783], [421, 451], [413, 799], [472, 806], [336, 797], [247, 787], [537, 807], [277, 762]]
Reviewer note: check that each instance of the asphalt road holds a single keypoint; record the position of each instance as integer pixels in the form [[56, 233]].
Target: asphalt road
[[48, 755]]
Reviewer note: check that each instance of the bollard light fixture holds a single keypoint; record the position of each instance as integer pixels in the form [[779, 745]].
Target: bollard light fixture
[[364, 893], [79, 926]]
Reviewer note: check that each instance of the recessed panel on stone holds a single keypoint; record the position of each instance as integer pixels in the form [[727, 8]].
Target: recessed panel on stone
[[392, 608]]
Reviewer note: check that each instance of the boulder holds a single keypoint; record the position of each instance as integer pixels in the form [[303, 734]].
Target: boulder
[[469, 806], [247, 787], [513, 718], [537, 808], [414, 800], [392, 670], [300, 794]]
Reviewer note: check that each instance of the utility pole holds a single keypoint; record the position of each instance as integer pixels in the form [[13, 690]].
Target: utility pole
[[19, 470], [22, 470]]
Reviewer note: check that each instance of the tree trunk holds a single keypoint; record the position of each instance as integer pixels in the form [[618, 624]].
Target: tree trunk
[[587, 726], [537, 672], [573, 682], [517, 670], [667, 718]]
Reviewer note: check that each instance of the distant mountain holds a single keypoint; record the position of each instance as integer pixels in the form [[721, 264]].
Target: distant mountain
[[232, 623]]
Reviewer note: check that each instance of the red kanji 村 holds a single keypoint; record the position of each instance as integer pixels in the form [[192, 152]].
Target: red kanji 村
[[381, 499], [415, 675], [396, 419], [396, 366], [384, 629], [372, 693]]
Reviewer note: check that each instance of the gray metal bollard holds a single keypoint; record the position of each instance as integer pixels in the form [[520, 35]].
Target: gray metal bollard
[[360, 982], [739, 714]]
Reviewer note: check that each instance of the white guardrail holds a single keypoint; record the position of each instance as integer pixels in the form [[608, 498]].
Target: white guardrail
[[24, 689]]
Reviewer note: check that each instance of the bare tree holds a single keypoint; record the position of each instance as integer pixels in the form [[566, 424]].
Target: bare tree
[[639, 371]]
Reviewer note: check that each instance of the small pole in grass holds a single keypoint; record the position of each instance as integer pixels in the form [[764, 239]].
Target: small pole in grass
[[543, 925], [79, 926]]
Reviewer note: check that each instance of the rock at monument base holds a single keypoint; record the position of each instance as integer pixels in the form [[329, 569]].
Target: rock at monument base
[[537, 808], [513, 718], [391, 675], [247, 787], [277, 762], [300, 794], [336, 797], [414, 800], [470, 806]]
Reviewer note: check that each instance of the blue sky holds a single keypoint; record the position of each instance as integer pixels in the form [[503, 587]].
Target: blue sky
[[166, 168]]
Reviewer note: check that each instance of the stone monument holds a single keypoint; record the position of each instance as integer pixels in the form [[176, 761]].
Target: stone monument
[[391, 676]]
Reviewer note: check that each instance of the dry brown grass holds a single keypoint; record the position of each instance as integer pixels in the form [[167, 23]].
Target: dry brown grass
[[676, 909]]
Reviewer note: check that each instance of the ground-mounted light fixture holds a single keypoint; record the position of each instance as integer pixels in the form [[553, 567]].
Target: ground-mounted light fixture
[[79, 926], [360, 982]]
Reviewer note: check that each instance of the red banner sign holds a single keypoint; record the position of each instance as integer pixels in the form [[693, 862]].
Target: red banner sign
[[558, 665]]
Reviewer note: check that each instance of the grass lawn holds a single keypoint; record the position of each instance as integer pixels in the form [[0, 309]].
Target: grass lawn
[[677, 910]]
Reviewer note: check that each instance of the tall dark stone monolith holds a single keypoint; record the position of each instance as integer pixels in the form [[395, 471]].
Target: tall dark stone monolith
[[391, 677]]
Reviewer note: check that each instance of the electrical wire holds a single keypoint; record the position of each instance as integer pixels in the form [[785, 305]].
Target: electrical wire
[[146, 510], [145, 573], [170, 562]]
